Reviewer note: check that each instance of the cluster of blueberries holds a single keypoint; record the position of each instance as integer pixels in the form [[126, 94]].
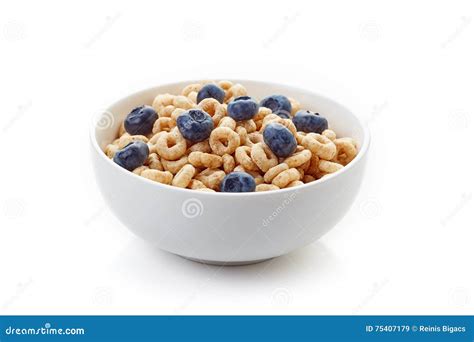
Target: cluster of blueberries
[[196, 125]]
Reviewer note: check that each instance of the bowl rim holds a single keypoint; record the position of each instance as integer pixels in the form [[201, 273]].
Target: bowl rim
[[317, 183]]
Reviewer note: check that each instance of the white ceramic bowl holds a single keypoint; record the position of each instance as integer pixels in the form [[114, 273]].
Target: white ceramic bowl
[[225, 228]]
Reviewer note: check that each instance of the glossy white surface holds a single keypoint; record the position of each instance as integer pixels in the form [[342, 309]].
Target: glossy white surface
[[228, 228]]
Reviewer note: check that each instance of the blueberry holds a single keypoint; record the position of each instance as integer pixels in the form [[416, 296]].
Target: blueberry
[[140, 120], [307, 121], [242, 108], [279, 139], [238, 182], [132, 156], [195, 125], [276, 103], [211, 91]]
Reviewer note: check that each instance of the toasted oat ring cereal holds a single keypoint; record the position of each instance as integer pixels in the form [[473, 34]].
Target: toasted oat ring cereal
[[286, 177], [228, 163], [227, 121], [164, 124], [274, 171], [202, 146], [153, 162], [295, 105], [330, 134], [249, 125], [164, 177], [294, 183], [346, 151], [242, 132], [266, 187], [298, 158], [140, 169], [329, 167], [207, 160], [111, 149], [126, 139], [320, 145], [183, 102], [184, 176], [174, 166], [263, 157], [194, 87], [223, 140], [236, 90], [161, 102], [211, 178], [212, 107], [171, 146], [196, 184], [242, 156], [177, 112]]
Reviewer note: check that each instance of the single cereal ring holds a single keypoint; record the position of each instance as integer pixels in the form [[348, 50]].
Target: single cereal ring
[[163, 124], [225, 85], [140, 169], [153, 140], [320, 145], [329, 167], [153, 162], [202, 146], [308, 179], [177, 112], [167, 111], [161, 101], [195, 184], [223, 140], [174, 166], [211, 178], [266, 187], [110, 150], [164, 177], [193, 96], [286, 177], [294, 183], [237, 90], [274, 171], [184, 176], [243, 136], [346, 151], [200, 159], [228, 163], [255, 137], [298, 158], [249, 125], [171, 145], [183, 102], [239, 168], [194, 87], [295, 105], [285, 122], [216, 110], [263, 157], [126, 139], [262, 113], [242, 156], [330, 134], [227, 121]]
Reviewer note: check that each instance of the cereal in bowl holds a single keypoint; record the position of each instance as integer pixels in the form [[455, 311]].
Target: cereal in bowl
[[215, 137]]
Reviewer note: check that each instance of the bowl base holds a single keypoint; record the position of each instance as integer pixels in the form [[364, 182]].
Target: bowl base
[[226, 263]]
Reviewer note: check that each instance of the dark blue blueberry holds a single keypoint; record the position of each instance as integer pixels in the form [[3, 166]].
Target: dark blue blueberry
[[211, 90], [195, 125], [307, 121], [276, 103], [279, 139], [242, 108], [132, 156], [238, 182], [140, 120], [283, 114]]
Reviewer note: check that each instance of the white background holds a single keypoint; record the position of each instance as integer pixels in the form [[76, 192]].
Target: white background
[[406, 246]]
